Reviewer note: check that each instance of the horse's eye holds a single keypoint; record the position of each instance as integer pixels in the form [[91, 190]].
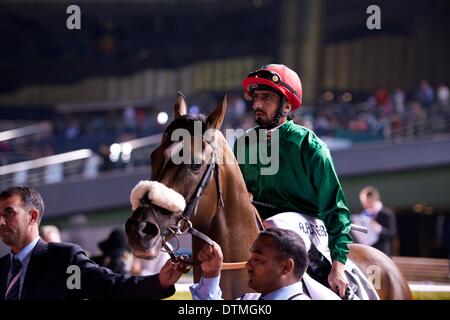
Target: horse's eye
[[196, 165]]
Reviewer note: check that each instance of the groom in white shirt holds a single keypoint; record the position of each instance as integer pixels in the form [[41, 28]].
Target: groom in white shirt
[[275, 269]]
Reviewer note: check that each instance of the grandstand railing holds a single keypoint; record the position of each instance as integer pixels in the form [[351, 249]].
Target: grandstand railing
[[43, 170], [83, 163], [436, 123], [41, 127]]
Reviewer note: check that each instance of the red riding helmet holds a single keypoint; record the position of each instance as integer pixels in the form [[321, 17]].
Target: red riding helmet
[[279, 77]]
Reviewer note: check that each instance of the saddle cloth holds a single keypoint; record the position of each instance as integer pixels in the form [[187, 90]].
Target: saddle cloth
[[313, 230]]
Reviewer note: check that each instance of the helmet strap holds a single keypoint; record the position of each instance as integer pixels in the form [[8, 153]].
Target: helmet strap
[[280, 113]]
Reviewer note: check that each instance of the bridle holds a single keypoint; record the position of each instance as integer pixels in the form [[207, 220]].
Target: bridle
[[184, 225]]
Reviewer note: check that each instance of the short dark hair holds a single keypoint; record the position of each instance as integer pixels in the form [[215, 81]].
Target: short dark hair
[[289, 244], [31, 198], [371, 192]]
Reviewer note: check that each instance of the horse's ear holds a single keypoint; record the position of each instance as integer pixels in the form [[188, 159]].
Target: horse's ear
[[215, 119], [180, 108]]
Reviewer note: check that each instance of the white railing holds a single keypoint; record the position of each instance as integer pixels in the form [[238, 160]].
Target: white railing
[[82, 163], [46, 161], [25, 131], [433, 125]]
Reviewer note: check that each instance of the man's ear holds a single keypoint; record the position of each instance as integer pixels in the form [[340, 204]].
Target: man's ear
[[287, 266], [287, 107], [34, 213]]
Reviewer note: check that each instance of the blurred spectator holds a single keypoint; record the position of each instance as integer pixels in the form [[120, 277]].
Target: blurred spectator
[[443, 95], [399, 99], [50, 233], [417, 118], [73, 129], [237, 109], [141, 117], [381, 96], [381, 220], [129, 117], [107, 48], [20, 177], [115, 253], [359, 124], [388, 109], [106, 163], [322, 124], [53, 173], [306, 121], [425, 94], [92, 166]]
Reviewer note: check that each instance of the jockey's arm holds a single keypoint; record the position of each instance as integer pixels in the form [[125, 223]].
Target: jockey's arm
[[336, 216], [332, 205]]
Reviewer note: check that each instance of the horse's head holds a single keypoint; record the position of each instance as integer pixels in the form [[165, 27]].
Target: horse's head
[[182, 167]]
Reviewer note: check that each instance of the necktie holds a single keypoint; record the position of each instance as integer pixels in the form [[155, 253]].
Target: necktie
[[13, 287]]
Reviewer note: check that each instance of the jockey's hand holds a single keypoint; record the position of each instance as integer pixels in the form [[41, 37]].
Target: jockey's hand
[[171, 272], [337, 279], [211, 258]]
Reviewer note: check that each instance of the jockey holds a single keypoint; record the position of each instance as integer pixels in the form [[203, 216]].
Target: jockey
[[306, 180]]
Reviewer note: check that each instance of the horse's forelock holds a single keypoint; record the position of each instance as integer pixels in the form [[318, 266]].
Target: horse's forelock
[[186, 122]]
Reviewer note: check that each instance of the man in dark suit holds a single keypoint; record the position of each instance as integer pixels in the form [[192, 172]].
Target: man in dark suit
[[35, 270], [382, 219]]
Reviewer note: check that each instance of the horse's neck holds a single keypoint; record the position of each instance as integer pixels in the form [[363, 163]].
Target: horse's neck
[[236, 197], [232, 226], [235, 222]]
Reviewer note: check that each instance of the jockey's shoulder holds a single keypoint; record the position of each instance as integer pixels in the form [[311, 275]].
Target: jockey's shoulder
[[300, 135], [296, 134]]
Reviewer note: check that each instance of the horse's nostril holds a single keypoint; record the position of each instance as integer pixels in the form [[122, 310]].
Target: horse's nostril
[[148, 229]]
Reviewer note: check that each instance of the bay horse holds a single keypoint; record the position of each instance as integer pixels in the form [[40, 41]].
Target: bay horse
[[218, 205]]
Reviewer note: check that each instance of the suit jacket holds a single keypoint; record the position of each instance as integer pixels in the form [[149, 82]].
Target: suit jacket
[[387, 220], [46, 277]]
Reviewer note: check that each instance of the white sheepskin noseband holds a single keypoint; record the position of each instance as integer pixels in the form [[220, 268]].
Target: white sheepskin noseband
[[158, 194]]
